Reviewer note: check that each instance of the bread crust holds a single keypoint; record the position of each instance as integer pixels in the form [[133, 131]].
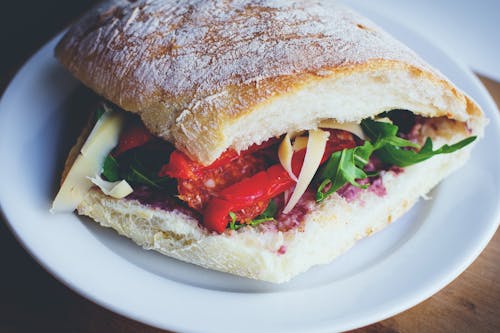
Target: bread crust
[[210, 75]]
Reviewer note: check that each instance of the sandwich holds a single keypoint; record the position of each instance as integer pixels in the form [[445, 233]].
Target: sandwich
[[257, 138]]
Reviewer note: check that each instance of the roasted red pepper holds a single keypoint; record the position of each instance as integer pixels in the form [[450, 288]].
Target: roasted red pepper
[[265, 184], [216, 214], [260, 187], [181, 166], [134, 135], [198, 190]]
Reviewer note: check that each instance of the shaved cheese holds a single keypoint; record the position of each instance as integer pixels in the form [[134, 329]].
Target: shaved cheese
[[286, 195], [316, 145], [119, 189], [285, 154], [354, 128], [300, 143], [103, 138], [384, 120]]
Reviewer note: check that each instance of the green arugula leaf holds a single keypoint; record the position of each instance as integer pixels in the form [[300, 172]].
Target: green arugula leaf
[[139, 173], [141, 165], [346, 166], [343, 167], [321, 194], [403, 158], [137, 176], [257, 221], [110, 169], [267, 215], [270, 211], [138, 166], [233, 225], [383, 133], [362, 154], [99, 112], [376, 130]]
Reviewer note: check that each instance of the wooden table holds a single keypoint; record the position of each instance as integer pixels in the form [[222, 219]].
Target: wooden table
[[31, 300]]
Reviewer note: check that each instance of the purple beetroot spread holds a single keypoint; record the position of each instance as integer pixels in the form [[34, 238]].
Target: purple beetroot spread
[[164, 200], [375, 184]]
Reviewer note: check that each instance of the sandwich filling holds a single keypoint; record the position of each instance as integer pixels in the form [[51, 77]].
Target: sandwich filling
[[271, 184]]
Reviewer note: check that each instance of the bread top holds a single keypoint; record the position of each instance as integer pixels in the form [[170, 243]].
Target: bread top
[[209, 75]]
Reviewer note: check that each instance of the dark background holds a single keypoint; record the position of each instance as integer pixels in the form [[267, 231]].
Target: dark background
[[31, 300], [27, 25]]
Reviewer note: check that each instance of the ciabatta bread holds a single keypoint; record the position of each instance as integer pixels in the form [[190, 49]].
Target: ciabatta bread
[[212, 75], [208, 75]]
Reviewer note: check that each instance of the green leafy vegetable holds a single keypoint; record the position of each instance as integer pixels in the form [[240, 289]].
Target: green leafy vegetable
[[403, 158], [346, 166], [137, 176], [138, 172], [233, 225], [362, 154], [99, 112], [138, 166], [403, 119], [383, 134], [267, 215], [110, 169], [388, 145]]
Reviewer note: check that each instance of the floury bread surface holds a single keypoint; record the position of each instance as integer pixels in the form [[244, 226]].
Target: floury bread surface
[[208, 75]]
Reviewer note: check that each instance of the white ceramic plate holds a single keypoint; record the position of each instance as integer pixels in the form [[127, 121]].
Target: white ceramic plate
[[381, 276]]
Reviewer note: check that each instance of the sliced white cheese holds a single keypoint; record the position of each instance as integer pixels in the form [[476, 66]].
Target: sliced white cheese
[[285, 154], [300, 143], [119, 189], [384, 120], [316, 145], [103, 138], [352, 127]]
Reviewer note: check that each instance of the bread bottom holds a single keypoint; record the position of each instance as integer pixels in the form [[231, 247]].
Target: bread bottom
[[329, 229]]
